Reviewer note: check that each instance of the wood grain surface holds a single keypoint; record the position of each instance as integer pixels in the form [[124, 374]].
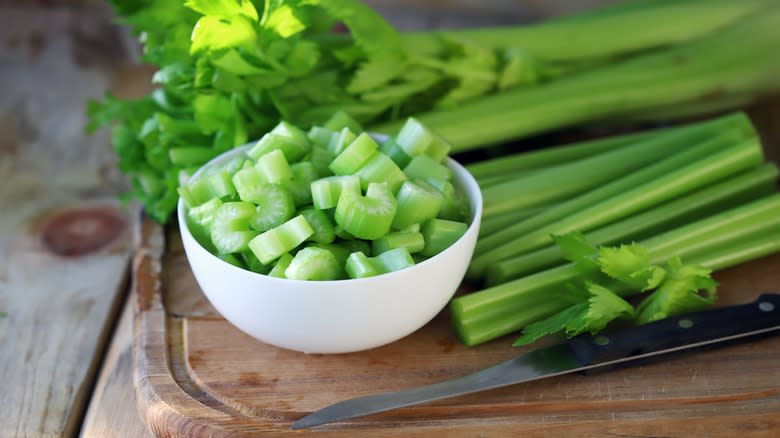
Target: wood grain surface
[[64, 240], [200, 376]]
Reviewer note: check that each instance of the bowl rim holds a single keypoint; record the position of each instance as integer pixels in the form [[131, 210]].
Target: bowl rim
[[473, 226]]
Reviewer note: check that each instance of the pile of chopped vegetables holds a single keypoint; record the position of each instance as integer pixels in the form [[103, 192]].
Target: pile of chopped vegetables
[[329, 204]]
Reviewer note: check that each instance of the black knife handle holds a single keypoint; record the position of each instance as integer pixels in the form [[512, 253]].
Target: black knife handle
[[678, 331]]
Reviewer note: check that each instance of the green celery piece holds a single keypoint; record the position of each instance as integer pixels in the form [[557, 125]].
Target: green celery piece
[[321, 159], [200, 219], [206, 187], [340, 120], [366, 217], [253, 264], [601, 307], [271, 244], [354, 156], [424, 167], [233, 260], [355, 245], [315, 264], [358, 265], [319, 136], [275, 206], [340, 140], [304, 173], [375, 73], [453, 206], [576, 249], [634, 198], [327, 191], [191, 156], [291, 140], [716, 242], [413, 242], [381, 169], [439, 149], [392, 150], [320, 224], [679, 294], [230, 230], [416, 204], [274, 167], [414, 138], [696, 205], [440, 234], [280, 266]]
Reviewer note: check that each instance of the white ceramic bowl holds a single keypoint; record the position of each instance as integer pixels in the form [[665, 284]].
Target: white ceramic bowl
[[335, 316]]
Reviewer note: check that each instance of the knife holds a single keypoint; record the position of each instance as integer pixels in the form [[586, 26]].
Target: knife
[[703, 330]]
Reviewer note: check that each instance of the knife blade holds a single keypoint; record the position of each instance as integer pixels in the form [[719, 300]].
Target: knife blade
[[702, 330]]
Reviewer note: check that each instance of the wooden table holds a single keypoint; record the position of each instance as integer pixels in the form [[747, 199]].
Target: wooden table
[[65, 242]]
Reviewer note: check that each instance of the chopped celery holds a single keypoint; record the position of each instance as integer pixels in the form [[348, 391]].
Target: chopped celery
[[354, 156], [313, 263], [439, 234], [424, 167], [381, 169], [367, 217], [271, 244], [304, 173], [413, 241], [416, 204], [414, 138], [280, 266], [325, 192], [275, 206], [320, 224], [360, 266], [392, 150], [285, 137], [230, 230], [274, 167]]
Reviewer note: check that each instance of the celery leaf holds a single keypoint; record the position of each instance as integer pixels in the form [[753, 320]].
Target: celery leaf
[[631, 265], [687, 288]]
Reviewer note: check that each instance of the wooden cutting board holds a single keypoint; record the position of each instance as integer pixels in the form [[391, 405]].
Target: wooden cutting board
[[196, 375]]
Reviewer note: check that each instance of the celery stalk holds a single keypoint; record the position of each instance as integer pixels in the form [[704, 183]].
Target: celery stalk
[[733, 61], [709, 200], [720, 241], [654, 188]]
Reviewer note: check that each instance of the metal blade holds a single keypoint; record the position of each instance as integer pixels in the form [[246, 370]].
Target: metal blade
[[537, 364]]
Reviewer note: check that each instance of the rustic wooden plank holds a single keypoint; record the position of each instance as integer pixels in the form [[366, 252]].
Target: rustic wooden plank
[[112, 410], [64, 239]]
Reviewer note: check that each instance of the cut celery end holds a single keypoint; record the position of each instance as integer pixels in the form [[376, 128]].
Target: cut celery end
[[416, 204], [354, 156], [230, 230], [438, 149], [275, 206], [325, 192], [233, 260], [358, 265], [285, 137], [191, 156], [304, 174], [280, 266], [413, 242], [312, 263], [440, 234], [204, 213], [214, 185], [380, 169], [271, 244], [249, 184], [425, 168], [253, 264], [321, 159], [324, 231], [274, 167], [319, 136], [367, 217], [340, 120], [414, 138], [340, 140], [392, 150], [394, 260]]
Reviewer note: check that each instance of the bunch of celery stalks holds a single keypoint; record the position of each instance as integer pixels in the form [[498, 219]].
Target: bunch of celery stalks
[[702, 191]]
